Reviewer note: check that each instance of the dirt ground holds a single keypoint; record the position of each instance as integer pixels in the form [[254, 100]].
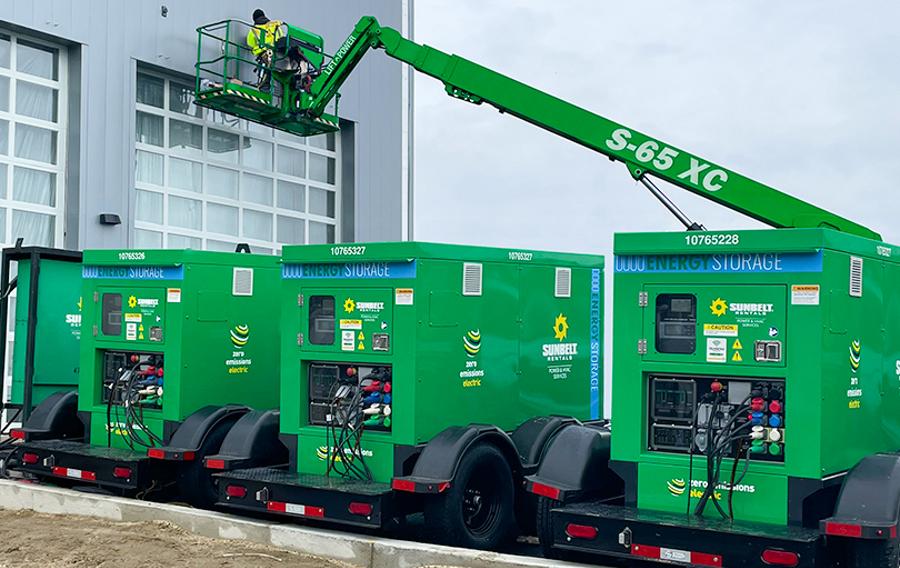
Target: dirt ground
[[29, 539]]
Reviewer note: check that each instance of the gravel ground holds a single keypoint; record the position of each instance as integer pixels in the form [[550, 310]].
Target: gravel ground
[[29, 539]]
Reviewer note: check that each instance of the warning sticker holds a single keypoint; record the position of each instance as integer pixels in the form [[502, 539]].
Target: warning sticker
[[348, 342], [805, 294], [403, 296], [132, 317], [720, 329], [737, 357], [716, 350], [173, 295], [351, 324], [131, 331]]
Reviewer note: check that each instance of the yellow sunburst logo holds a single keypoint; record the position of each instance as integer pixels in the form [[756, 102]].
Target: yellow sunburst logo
[[560, 327], [132, 301], [349, 305], [718, 307]]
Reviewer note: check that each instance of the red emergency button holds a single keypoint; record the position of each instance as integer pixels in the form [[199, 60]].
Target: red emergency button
[[775, 407]]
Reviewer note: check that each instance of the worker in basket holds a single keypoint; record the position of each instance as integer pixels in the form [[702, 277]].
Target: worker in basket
[[267, 42]]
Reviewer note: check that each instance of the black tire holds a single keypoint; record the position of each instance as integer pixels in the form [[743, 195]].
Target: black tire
[[476, 511], [874, 553], [196, 484], [545, 528]]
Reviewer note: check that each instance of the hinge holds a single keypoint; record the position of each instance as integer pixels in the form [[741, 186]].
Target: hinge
[[300, 300], [642, 346], [300, 339], [642, 299], [96, 297], [95, 330]]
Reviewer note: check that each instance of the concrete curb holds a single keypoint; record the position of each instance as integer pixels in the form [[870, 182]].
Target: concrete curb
[[354, 550]]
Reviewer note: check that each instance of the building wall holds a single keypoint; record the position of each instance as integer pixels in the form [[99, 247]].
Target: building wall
[[106, 42]]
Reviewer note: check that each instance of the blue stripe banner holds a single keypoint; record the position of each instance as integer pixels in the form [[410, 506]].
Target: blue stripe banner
[[351, 270], [759, 262], [596, 347], [133, 272]]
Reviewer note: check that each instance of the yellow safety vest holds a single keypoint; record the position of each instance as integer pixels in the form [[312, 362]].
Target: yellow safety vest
[[270, 32]]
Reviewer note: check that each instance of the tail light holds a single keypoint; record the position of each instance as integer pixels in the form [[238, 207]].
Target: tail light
[[215, 464], [30, 459], [775, 557], [362, 509], [545, 490], [17, 434], [122, 472], [238, 491], [581, 531]]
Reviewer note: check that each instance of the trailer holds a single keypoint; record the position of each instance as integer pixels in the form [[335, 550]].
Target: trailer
[[419, 377], [177, 346]]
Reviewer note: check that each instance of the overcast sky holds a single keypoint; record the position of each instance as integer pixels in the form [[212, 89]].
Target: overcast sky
[[800, 95]]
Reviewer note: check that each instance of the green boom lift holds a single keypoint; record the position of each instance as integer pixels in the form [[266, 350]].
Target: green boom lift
[[745, 436]]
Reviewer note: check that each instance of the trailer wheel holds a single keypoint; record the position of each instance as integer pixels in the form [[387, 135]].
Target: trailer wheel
[[545, 527], [874, 554], [196, 484], [476, 511]]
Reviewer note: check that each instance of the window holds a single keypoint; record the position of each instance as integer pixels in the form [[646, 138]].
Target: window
[[321, 320], [207, 180], [676, 323], [32, 141]]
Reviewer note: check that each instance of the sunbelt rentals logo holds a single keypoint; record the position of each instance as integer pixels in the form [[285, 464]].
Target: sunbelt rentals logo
[[562, 351], [720, 307]]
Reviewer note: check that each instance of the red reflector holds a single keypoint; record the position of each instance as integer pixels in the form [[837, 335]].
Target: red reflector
[[215, 464], [30, 458], [74, 473], [122, 472], [704, 559], [843, 529], [645, 551], [187, 456], [238, 491], [156, 453], [581, 531], [362, 509], [780, 557], [404, 485], [17, 434], [443, 486], [677, 555], [545, 490], [293, 509]]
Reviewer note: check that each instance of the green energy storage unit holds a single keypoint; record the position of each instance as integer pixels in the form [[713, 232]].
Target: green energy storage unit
[[801, 331], [406, 365], [176, 345], [461, 335], [47, 312]]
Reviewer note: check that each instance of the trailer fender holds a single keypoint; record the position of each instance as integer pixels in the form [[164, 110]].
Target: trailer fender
[[191, 433], [55, 418], [252, 442], [437, 464], [868, 505], [531, 438], [575, 463]]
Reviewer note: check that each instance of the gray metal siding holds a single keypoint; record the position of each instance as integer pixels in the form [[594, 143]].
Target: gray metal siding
[[109, 37]]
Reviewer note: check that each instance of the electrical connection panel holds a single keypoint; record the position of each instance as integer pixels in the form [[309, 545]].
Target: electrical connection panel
[[688, 413], [132, 378], [344, 394]]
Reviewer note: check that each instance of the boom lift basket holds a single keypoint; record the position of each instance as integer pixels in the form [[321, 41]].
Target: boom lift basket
[[229, 78]]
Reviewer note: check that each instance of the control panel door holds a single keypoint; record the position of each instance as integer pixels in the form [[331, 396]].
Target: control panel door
[[347, 320], [134, 315], [723, 325]]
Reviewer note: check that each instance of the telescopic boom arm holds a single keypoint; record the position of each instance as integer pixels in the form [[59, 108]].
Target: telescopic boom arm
[[643, 155]]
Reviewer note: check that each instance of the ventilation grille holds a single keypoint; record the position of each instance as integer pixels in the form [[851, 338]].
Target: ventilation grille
[[563, 283], [856, 276], [471, 279], [242, 282]]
